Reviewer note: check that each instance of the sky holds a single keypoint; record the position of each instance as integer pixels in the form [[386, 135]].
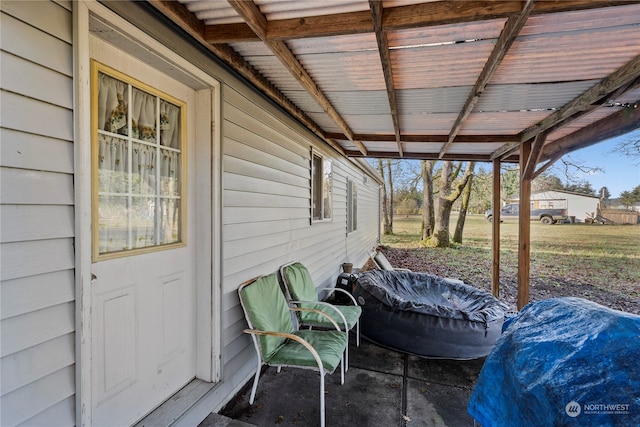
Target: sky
[[620, 173]]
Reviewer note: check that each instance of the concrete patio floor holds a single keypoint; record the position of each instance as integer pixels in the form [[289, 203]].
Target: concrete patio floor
[[382, 388]]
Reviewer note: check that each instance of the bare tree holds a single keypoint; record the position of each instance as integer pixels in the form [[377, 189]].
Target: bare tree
[[448, 193], [391, 198], [466, 196], [630, 147], [427, 199], [387, 213]]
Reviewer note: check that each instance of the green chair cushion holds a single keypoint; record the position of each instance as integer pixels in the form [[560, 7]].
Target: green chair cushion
[[267, 310], [351, 313], [330, 346], [300, 283]]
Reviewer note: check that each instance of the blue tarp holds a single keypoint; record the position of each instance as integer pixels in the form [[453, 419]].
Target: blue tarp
[[562, 362]]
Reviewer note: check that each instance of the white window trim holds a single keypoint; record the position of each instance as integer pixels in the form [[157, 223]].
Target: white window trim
[[323, 218], [352, 206]]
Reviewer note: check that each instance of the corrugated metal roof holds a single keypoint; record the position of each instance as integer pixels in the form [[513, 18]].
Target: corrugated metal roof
[[445, 34], [501, 123], [545, 58], [369, 123], [360, 102], [523, 97], [439, 52], [345, 71], [289, 9], [213, 12], [438, 124], [436, 100], [440, 66]]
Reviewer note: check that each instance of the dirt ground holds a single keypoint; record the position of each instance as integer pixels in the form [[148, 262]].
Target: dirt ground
[[416, 260]]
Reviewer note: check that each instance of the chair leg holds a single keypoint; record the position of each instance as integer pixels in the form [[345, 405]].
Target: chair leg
[[346, 354], [322, 421], [342, 370], [255, 384], [358, 333]]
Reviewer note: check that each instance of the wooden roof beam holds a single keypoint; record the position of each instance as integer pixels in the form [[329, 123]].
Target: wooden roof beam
[[623, 76], [182, 17], [614, 125], [534, 156], [507, 36], [385, 59], [395, 18], [472, 139], [621, 122], [426, 156], [258, 23], [623, 79]]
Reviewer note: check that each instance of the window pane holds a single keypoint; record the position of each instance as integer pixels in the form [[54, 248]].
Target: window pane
[[143, 115], [143, 169], [354, 206], [316, 171], [113, 224], [327, 186], [169, 221], [142, 222], [139, 178], [170, 126], [113, 170], [170, 163], [113, 98]]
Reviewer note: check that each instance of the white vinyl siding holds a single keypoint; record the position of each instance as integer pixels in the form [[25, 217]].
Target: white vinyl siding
[[37, 316], [266, 209]]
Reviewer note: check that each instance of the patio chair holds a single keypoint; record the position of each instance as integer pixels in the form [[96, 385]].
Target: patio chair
[[279, 344], [301, 291]]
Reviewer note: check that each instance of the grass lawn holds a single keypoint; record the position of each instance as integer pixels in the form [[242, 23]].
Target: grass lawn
[[597, 262]]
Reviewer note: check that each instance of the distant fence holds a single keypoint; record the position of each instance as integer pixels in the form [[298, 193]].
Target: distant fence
[[620, 216]]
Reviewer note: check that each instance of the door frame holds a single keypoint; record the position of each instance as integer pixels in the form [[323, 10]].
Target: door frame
[[208, 171]]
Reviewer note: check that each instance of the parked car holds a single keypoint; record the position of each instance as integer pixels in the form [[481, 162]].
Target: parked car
[[545, 216]]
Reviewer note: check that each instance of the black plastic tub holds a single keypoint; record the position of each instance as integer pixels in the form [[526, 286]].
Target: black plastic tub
[[427, 315]]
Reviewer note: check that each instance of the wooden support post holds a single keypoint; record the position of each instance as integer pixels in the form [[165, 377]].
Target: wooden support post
[[495, 230], [524, 228]]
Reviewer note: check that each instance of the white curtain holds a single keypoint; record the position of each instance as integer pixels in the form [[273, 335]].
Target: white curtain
[[133, 203], [112, 105], [143, 116], [169, 125]]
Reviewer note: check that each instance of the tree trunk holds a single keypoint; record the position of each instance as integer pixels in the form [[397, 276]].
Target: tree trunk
[[466, 196], [390, 176], [446, 197], [427, 199], [386, 225]]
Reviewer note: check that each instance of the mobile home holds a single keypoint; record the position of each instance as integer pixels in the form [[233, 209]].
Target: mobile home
[[140, 187], [578, 206]]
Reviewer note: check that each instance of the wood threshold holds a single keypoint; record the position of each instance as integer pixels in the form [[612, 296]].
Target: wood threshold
[[177, 405]]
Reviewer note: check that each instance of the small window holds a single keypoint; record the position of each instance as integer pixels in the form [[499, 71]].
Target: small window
[[138, 159], [321, 188], [352, 206]]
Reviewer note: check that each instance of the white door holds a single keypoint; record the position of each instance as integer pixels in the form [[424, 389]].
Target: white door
[[143, 314]]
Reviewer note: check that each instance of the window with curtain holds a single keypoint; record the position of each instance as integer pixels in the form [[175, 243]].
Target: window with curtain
[[138, 185], [352, 206], [321, 188]]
